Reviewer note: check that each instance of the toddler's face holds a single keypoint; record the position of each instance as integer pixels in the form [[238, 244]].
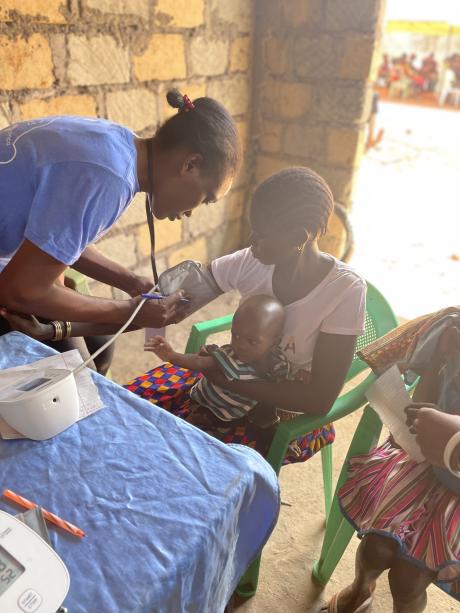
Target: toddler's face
[[251, 340]]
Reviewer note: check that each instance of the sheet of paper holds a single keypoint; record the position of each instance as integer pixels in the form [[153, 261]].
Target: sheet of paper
[[90, 401], [389, 397]]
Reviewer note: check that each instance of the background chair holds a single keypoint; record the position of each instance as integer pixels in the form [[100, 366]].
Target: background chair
[[380, 319]]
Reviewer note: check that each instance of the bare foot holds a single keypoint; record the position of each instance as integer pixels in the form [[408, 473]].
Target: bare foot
[[349, 600]]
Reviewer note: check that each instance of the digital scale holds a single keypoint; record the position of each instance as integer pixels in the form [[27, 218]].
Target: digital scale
[[33, 578], [41, 404]]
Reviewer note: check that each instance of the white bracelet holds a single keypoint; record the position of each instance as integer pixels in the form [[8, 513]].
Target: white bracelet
[[449, 450]]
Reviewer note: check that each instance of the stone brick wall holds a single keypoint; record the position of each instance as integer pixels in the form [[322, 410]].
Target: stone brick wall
[[296, 75], [313, 70], [116, 59]]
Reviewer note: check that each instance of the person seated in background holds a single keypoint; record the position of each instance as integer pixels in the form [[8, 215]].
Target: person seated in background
[[447, 83], [252, 355], [407, 514], [429, 72]]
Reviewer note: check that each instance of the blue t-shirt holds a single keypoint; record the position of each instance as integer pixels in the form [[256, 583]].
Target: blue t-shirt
[[64, 181]]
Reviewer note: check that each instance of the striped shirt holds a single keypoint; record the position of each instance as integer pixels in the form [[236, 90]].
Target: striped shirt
[[227, 405]]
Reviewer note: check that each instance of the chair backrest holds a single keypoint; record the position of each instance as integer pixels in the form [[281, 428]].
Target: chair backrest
[[380, 319]]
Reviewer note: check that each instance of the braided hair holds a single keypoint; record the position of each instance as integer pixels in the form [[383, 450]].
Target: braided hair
[[294, 198], [204, 126]]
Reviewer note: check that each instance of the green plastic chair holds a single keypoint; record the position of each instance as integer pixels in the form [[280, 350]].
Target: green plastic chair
[[380, 319], [78, 281], [338, 529]]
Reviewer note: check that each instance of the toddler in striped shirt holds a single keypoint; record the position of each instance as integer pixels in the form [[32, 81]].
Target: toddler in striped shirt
[[252, 355]]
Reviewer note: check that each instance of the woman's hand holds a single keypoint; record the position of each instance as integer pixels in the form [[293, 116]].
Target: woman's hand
[[432, 428], [28, 324], [160, 347], [158, 313], [140, 285]]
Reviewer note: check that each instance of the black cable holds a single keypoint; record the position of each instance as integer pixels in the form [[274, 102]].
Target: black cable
[[149, 208]]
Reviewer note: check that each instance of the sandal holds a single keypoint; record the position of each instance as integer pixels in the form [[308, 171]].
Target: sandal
[[364, 606]]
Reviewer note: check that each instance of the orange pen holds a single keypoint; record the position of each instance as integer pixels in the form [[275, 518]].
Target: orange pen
[[51, 517]]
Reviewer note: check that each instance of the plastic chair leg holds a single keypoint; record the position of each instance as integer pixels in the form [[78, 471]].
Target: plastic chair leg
[[247, 586], [338, 530], [326, 463]]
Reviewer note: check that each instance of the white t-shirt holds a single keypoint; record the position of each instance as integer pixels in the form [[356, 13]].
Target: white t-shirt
[[337, 305]]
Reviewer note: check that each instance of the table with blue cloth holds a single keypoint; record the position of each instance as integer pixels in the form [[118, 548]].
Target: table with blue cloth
[[172, 516]]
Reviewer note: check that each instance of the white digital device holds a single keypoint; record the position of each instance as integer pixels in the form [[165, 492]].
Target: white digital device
[[33, 578], [41, 404]]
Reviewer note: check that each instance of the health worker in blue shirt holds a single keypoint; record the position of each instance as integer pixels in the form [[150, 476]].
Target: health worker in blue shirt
[[64, 181]]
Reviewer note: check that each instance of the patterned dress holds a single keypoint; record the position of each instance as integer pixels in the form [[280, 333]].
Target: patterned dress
[[389, 493]]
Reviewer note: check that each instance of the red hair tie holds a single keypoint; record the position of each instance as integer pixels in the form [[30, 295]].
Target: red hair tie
[[188, 104]]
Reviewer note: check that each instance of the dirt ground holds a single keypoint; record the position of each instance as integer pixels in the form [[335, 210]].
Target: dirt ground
[[406, 217]]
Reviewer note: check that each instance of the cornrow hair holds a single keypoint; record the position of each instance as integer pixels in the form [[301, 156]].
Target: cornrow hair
[[294, 197], [205, 127]]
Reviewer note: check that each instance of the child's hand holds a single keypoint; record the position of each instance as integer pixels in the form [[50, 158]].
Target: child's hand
[[160, 347]]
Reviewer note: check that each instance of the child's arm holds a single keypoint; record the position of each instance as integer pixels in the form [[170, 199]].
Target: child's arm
[[160, 347]]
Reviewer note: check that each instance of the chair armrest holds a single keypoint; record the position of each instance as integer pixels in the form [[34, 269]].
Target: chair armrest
[[299, 426], [212, 326], [344, 405], [200, 332]]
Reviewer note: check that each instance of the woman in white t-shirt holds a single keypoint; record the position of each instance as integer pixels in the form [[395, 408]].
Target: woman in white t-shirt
[[325, 311]]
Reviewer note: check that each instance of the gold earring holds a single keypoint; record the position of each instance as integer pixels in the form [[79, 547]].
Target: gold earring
[[301, 248]]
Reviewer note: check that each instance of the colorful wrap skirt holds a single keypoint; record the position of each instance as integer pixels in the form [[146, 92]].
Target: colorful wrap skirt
[[169, 386], [388, 493]]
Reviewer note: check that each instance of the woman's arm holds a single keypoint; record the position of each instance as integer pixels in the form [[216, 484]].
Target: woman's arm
[[331, 361], [97, 266], [27, 285], [27, 324]]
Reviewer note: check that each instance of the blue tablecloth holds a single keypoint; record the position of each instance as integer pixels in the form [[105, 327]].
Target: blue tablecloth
[[172, 516]]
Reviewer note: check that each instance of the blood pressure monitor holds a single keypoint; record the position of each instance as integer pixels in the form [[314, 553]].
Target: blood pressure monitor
[[33, 578], [41, 404]]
